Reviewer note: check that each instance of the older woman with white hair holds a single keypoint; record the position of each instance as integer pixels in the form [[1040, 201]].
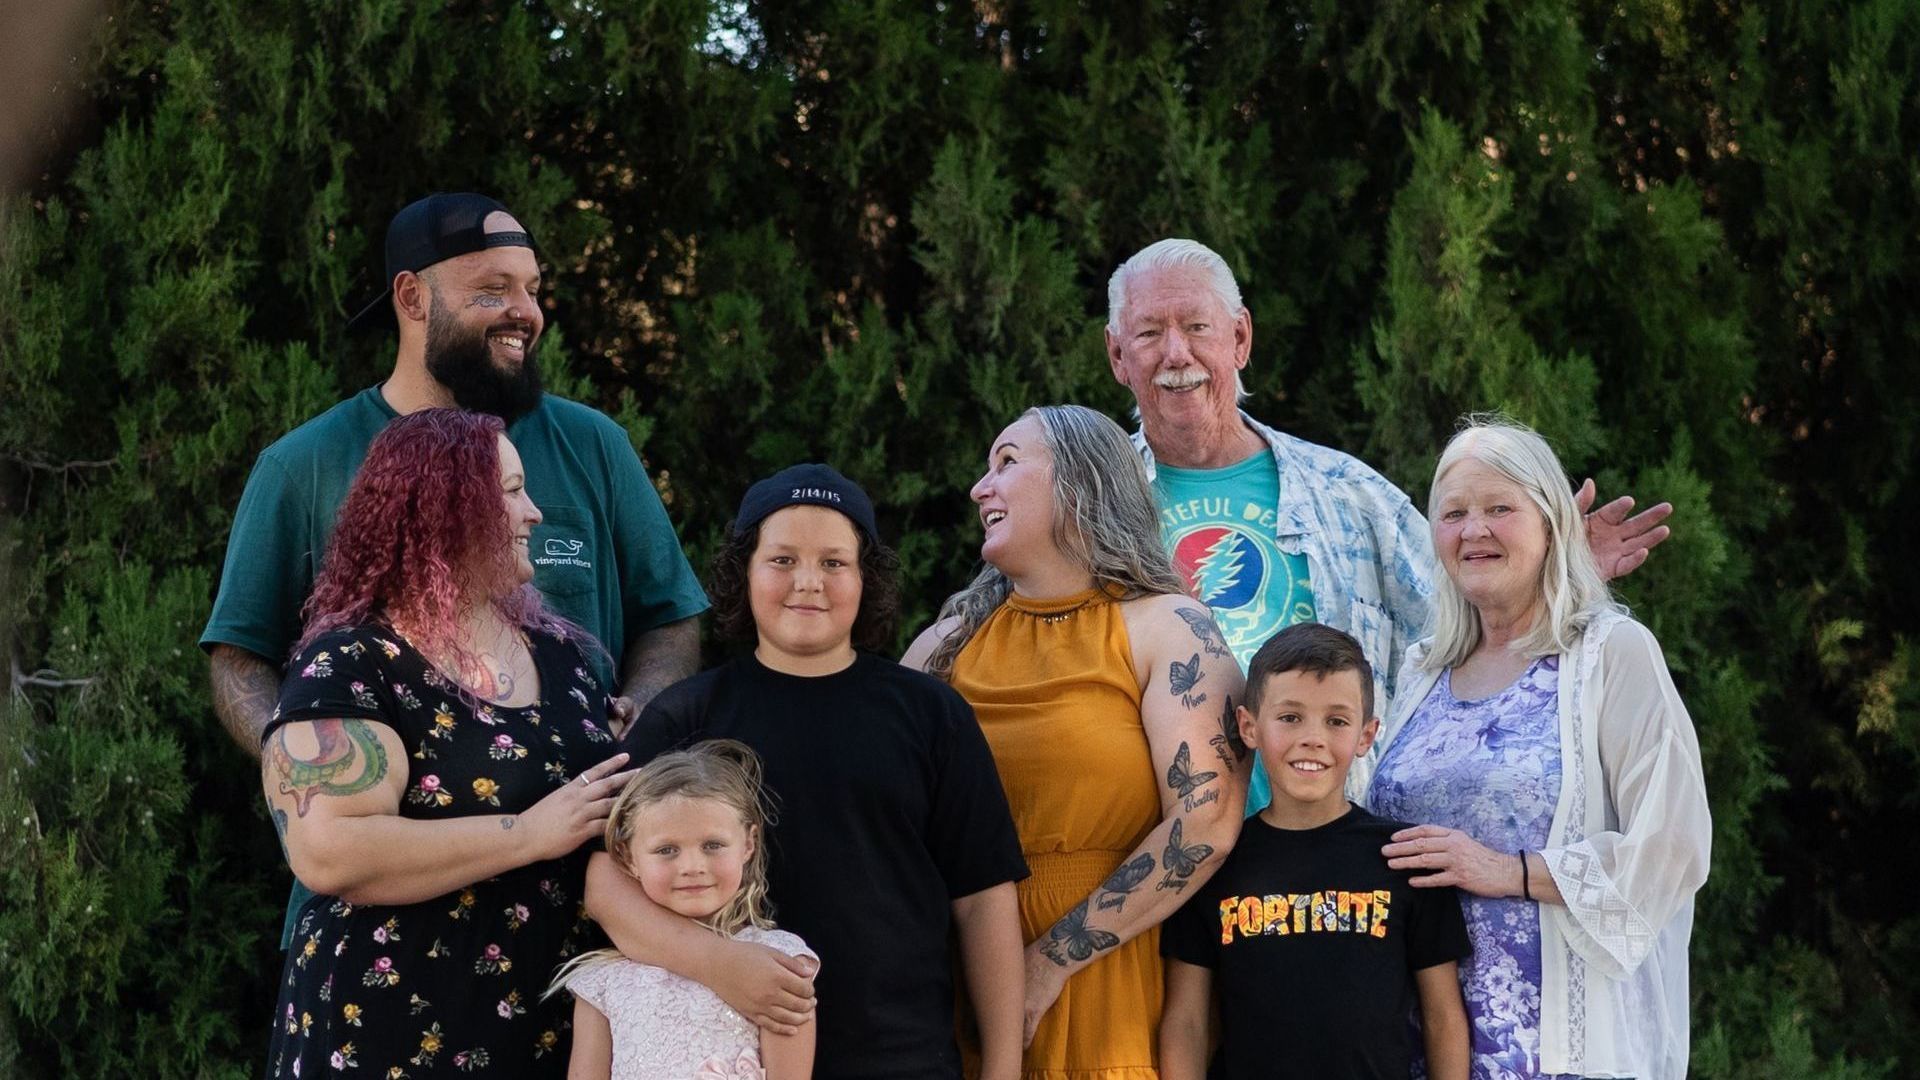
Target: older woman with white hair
[[1557, 773]]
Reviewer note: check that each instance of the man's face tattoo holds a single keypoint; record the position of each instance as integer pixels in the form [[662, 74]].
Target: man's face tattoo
[[460, 359]]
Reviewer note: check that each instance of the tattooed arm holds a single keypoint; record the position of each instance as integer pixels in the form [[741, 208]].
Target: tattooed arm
[[655, 660], [334, 788], [245, 691], [1191, 681]]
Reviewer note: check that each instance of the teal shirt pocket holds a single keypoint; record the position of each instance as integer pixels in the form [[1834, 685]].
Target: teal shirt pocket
[[565, 557]]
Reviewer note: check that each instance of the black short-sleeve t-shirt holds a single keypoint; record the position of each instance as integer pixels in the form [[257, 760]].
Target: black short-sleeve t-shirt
[[1313, 942], [889, 808]]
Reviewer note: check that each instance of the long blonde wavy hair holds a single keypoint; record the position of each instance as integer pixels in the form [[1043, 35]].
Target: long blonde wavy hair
[[1572, 591], [1104, 518], [720, 769]]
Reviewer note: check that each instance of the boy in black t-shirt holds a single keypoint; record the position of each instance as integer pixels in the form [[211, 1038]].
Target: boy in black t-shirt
[[892, 838], [1313, 946]]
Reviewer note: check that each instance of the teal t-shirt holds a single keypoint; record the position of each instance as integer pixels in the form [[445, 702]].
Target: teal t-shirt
[[1218, 525], [604, 555]]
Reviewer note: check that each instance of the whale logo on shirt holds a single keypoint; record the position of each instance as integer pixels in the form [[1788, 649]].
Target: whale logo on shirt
[[557, 546]]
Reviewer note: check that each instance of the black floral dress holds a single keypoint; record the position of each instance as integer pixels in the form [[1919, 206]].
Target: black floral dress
[[452, 985]]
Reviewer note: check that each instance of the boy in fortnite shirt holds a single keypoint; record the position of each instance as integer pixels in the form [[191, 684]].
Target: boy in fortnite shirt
[[1316, 950]]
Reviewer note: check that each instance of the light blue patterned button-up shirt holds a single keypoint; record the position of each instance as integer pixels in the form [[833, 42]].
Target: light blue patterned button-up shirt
[[1369, 551]]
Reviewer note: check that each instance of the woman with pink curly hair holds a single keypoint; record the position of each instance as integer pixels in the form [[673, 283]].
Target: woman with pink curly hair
[[436, 762]]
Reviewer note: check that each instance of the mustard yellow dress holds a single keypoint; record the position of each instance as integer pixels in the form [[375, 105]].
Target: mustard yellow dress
[[1055, 691]]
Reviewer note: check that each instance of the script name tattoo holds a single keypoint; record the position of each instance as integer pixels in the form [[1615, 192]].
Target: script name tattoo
[[1180, 859], [1200, 621], [347, 760], [1227, 743], [1184, 677], [487, 300], [1124, 879], [1071, 939]]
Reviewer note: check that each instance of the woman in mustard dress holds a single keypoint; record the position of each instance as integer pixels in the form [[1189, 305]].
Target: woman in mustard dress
[[1106, 694]]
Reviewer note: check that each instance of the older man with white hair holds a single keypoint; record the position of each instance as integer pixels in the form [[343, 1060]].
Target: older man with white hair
[[1271, 530]]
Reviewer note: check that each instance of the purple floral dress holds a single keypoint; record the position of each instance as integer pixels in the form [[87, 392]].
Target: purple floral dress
[[1490, 768], [450, 985]]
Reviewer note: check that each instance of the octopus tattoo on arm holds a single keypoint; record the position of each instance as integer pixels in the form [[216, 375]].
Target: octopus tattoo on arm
[[347, 759]]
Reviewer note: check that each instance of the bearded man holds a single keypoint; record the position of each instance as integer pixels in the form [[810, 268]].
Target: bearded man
[[464, 284]]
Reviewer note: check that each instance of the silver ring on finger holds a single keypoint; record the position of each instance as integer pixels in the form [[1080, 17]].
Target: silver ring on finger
[[585, 780]]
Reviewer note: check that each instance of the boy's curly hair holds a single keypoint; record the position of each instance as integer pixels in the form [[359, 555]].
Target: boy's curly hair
[[873, 627]]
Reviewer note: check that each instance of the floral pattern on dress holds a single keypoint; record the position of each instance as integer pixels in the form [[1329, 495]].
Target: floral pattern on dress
[[452, 984], [1490, 768]]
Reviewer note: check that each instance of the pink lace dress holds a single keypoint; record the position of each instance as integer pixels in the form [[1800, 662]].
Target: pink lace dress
[[670, 1028]]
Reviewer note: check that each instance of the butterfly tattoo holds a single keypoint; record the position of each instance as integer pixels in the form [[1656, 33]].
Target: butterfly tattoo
[[1180, 859], [1228, 743], [1126, 878], [1181, 777], [1184, 677], [1073, 937], [1201, 623]]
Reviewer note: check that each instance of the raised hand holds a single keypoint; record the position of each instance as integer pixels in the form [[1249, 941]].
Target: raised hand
[[1621, 543]]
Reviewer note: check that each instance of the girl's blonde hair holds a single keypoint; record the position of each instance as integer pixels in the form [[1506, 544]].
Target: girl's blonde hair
[[1104, 518], [1572, 591], [719, 769]]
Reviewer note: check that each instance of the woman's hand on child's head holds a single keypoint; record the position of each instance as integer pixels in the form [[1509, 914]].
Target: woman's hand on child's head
[[765, 985], [573, 813]]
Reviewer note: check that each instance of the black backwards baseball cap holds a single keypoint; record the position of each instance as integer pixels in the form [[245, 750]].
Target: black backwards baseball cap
[[435, 229], [806, 485]]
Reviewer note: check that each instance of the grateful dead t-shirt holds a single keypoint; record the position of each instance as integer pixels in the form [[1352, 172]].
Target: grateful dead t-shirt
[[1218, 525]]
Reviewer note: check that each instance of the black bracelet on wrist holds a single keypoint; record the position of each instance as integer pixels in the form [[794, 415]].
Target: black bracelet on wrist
[[1526, 889]]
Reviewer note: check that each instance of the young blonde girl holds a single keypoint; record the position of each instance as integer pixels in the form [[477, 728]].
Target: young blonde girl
[[690, 830]]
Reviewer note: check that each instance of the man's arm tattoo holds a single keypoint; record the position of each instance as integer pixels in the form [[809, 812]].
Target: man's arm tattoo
[[659, 658], [1121, 883], [245, 691], [1200, 621], [348, 760], [280, 830]]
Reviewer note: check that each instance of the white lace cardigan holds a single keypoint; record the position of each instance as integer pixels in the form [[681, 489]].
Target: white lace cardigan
[[1628, 847]]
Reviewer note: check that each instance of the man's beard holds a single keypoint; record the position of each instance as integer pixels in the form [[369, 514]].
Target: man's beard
[[463, 363]]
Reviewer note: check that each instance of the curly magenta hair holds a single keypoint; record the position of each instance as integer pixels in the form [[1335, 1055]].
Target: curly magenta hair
[[423, 531]]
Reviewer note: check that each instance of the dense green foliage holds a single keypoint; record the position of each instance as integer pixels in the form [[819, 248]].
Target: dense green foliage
[[1676, 236]]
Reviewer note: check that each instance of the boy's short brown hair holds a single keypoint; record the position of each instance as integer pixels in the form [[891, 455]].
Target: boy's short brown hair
[[1315, 648]]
